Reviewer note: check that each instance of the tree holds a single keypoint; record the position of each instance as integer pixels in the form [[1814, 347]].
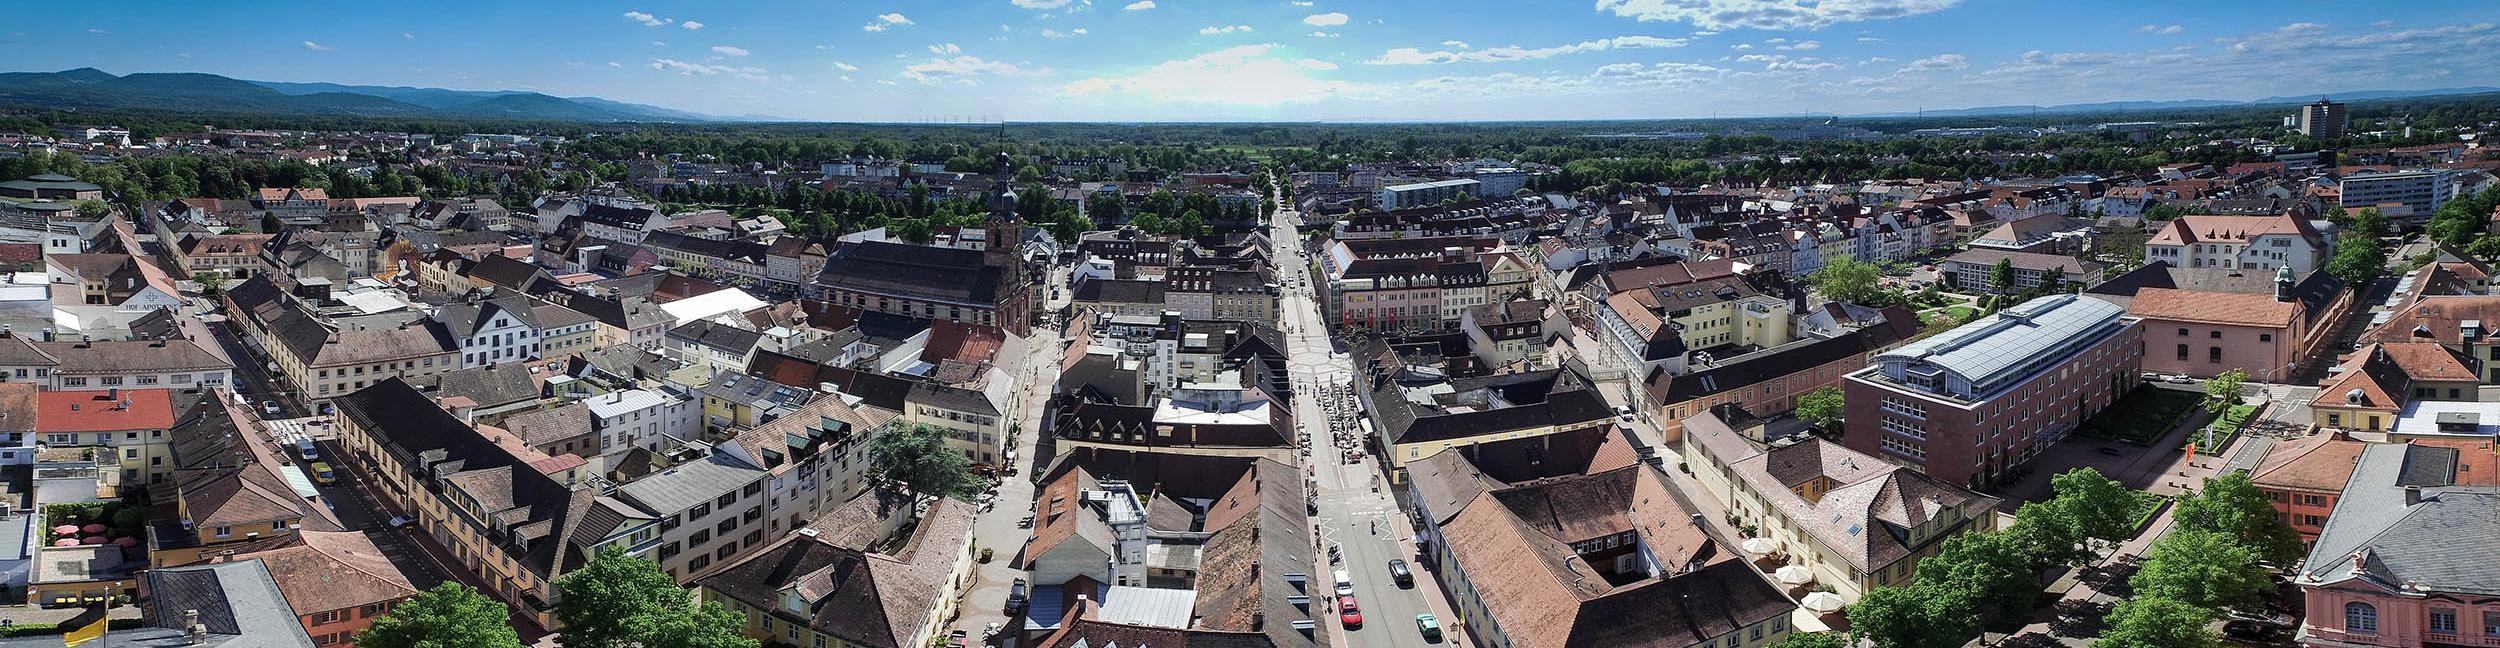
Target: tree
[[2103, 509], [2487, 247], [269, 223], [1848, 280], [2370, 223], [210, 282], [2156, 622], [2049, 531], [449, 616], [2201, 568], [2231, 505], [1823, 408], [1994, 570], [1812, 640], [2357, 262], [2223, 391], [917, 456], [93, 209], [1919, 616], [2002, 276]]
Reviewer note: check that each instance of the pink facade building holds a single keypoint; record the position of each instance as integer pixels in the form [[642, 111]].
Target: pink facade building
[[2408, 559]]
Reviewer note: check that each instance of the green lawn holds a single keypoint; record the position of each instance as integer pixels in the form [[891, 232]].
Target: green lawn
[[2142, 416], [2225, 428]]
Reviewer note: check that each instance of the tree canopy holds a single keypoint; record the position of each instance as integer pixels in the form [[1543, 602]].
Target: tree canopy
[[1823, 408], [2156, 622], [1848, 280], [449, 616], [2201, 568], [619, 601], [2233, 506], [918, 456]]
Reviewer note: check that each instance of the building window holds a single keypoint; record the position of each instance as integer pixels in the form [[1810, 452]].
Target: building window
[[2360, 618], [2182, 332], [2213, 355], [2214, 335], [2491, 624], [2265, 337], [2183, 352]]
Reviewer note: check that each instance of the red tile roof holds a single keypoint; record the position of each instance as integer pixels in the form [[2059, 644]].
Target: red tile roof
[[98, 411], [2207, 307]]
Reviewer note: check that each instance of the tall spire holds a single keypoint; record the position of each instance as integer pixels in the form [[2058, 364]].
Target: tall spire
[[1003, 188]]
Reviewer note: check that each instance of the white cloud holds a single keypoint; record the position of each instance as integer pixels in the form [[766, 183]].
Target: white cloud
[[690, 25], [1330, 19], [1869, 39], [683, 68], [1741, 46], [729, 50], [407, 35], [1769, 14], [1939, 62], [2173, 29], [1302, 3], [1212, 30], [885, 22], [846, 67], [960, 69], [647, 20], [95, 30], [945, 49], [1249, 74], [659, 43], [1323, 34], [1140, 5], [2160, 30], [614, 64], [1803, 46], [1454, 43], [1315, 64], [1040, 4], [1413, 56], [317, 47]]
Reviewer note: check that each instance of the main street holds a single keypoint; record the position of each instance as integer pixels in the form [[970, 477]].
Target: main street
[[1357, 513], [995, 529]]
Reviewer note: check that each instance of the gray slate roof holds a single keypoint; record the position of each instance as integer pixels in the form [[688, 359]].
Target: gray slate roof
[[238, 601], [2442, 543], [683, 486]]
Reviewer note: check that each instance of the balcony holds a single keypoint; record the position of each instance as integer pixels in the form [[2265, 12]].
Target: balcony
[[2460, 640]]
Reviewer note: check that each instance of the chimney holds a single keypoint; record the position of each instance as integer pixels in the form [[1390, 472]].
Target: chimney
[[193, 632], [2413, 495], [113, 393]]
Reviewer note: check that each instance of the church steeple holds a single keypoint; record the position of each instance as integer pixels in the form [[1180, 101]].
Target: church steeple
[[1003, 188]]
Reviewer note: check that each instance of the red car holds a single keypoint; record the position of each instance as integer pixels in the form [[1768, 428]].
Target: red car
[[1349, 613]]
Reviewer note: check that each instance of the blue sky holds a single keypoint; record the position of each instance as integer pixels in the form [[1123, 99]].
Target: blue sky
[[1294, 60]]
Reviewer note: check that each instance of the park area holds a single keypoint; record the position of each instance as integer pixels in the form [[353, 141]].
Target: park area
[[2143, 415]]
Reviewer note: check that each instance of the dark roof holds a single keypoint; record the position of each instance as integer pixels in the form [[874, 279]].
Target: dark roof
[[489, 386], [716, 335], [1561, 396], [1756, 368], [506, 272], [419, 437], [914, 271], [1119, 291], [238, 602]]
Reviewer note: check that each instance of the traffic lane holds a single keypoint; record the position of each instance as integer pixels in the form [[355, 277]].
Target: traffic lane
[[346, 500], [1388, 610], [261, 386]]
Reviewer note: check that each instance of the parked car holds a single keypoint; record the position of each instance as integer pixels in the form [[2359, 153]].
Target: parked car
[[304, 448], [1015, 598], [271, 407], [2182, 379], [1349, 613], [1430, 626], [1345, 583], [959, 639], [1623, 412], [1399, 573], [321, 473]]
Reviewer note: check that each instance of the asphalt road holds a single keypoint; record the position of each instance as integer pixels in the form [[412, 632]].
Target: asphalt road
[[251, 374], [1362, 521]]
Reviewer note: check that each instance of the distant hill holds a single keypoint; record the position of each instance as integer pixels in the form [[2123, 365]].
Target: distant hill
[[2137, 106], [92, 88]]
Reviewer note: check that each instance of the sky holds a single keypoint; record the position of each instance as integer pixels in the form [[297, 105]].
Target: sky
[[1294, 60]]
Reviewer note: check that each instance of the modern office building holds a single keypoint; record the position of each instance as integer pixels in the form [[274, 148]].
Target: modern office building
[[1423, 193], [1971, 404], [2322, 120], [2423, 190]]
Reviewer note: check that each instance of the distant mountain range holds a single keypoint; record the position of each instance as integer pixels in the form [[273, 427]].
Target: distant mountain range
[[2183, 104], [92, 88]]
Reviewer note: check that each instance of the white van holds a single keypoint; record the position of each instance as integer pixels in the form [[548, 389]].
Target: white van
[[1345, 583]]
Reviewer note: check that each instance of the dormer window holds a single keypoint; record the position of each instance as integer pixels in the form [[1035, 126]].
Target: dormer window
[[791, 601]]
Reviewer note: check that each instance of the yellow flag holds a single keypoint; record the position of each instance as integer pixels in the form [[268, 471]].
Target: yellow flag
[[87, 626]]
